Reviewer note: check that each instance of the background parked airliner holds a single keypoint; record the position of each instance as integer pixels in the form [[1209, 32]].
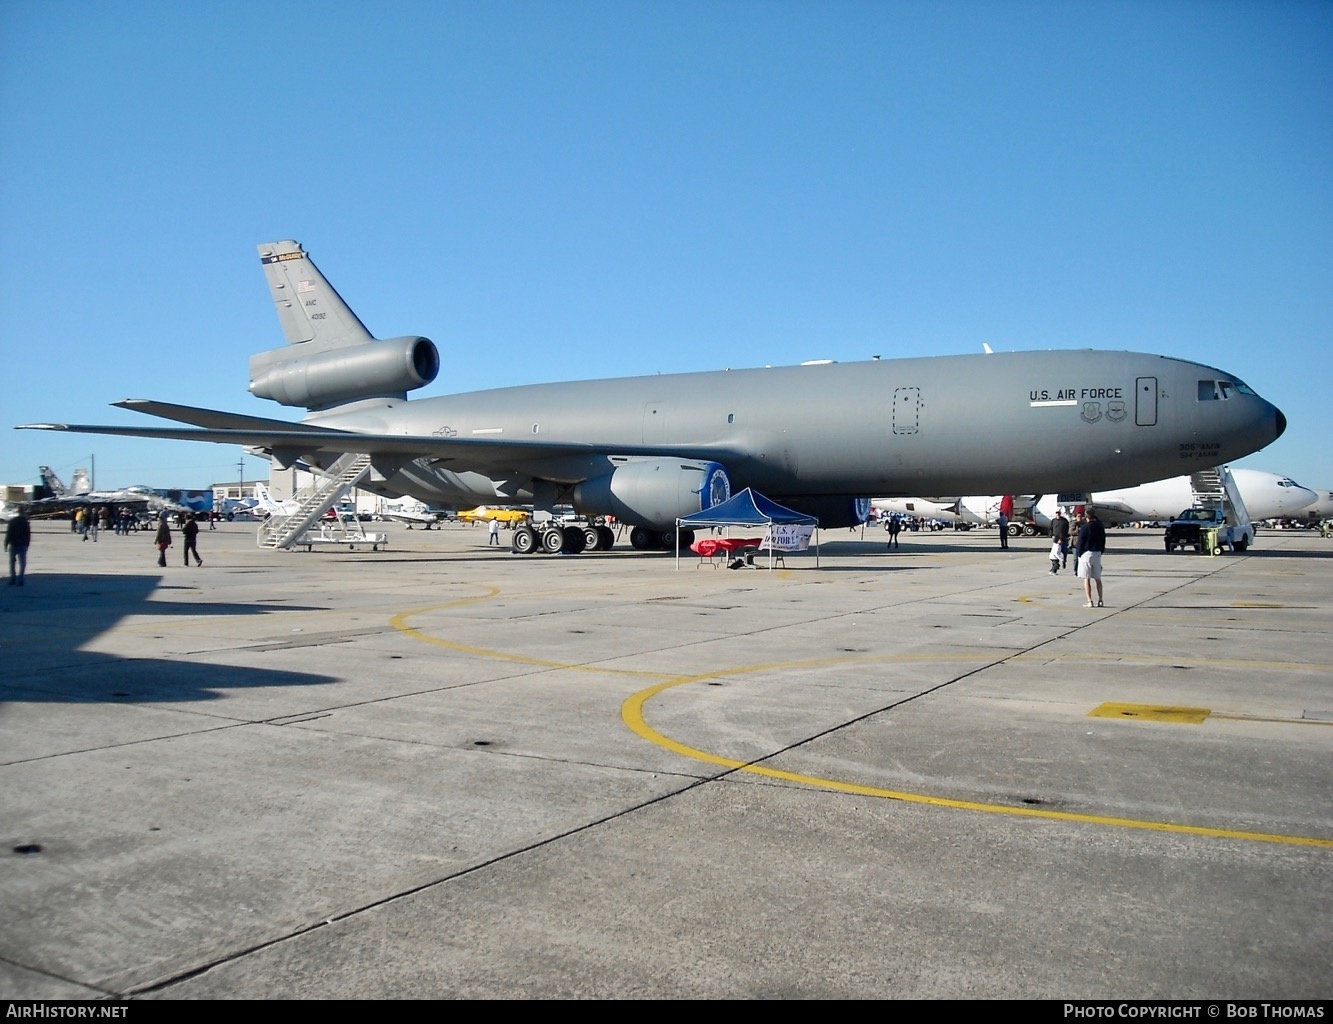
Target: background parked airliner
[[1266, 496]]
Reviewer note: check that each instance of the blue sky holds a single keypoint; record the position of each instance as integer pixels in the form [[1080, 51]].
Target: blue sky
[[555, 191]]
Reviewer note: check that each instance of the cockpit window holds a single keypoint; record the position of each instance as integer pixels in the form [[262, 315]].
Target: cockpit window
[[1220, 390], [1215, 390]]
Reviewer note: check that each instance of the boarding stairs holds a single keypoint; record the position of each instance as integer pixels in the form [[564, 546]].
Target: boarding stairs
[[1216, 489], [288, 531]]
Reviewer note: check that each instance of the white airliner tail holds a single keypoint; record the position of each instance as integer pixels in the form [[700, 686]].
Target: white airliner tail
[[272, 506]]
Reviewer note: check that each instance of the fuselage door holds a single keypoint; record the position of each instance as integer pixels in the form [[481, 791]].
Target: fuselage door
[[1145, 402], [906, 410]]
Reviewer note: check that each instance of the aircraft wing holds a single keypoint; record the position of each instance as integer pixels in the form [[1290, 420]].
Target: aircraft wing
[[474, 452], [1109, 507], [78, 500], [211, 418]]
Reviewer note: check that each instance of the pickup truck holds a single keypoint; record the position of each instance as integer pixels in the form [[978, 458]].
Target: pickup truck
[[1187, 530]]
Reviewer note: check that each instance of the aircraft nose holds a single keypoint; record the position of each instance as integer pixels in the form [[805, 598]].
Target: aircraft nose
[[1281, 423]]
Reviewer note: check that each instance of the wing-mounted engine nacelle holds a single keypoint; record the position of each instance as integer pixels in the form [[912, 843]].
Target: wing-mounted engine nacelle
[[832, 512], [377, 369], [654, 492]]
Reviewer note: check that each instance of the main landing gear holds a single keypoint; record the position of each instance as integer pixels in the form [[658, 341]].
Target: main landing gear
[[555, 539]]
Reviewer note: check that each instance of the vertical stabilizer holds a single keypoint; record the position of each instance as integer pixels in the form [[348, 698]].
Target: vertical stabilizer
[[53, 483], [330, 358], [80, 483], [309, 308]]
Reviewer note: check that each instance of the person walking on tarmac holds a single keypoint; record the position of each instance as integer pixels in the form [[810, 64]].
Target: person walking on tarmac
[[163, 540], [18, 536], [190, 531], [1060, 536], [1006, 514]]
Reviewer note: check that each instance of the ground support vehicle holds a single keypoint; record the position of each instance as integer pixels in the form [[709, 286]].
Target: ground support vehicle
[[1203, 529]]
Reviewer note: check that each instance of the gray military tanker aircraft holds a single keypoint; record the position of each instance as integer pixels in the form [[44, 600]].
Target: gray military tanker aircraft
[[820, 438]]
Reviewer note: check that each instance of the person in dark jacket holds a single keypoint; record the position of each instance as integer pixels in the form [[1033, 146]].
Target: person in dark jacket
[[190, 531], [163, 541], [1091, 546], [1060, 535], [18, 535]]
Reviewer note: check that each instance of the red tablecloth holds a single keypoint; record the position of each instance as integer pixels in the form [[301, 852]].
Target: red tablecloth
[[707, 547]]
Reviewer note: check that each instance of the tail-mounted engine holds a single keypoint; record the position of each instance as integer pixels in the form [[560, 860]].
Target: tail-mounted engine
[[654, 492], [376, 369]]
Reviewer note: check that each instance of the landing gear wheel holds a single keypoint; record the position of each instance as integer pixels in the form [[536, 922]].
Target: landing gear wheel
[[608, 536], [525, 540], [592, 539], [642, 539], [1029, 530], [573, 540], [552, 541]]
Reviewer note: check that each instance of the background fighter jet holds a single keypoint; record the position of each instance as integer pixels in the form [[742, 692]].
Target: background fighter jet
[[138, 498], [820, 439]]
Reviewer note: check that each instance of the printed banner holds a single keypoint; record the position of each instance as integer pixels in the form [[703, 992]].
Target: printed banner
[[787, 538]]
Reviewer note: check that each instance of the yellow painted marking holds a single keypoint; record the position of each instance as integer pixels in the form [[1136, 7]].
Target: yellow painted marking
[[1255, 604], [631, 713], [1151, 713]]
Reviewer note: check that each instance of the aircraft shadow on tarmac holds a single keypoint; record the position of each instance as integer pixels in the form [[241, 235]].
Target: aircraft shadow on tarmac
[[45, 624]]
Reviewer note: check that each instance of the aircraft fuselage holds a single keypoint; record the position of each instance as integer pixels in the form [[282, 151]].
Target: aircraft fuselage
[[1004, 423]]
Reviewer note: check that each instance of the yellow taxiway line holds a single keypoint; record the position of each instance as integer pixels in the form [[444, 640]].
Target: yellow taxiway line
[[632, 713]]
